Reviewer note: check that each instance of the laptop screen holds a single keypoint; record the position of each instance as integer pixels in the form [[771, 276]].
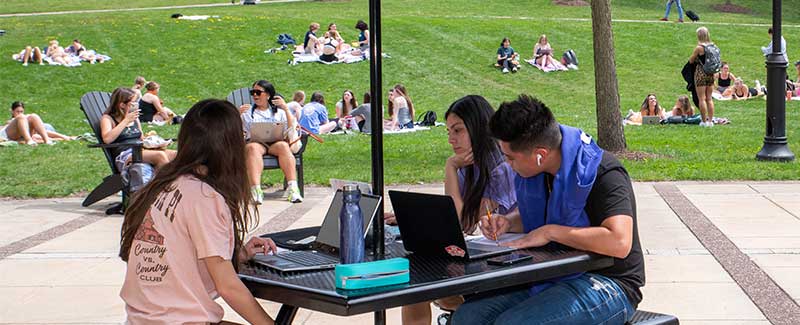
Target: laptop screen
[[329, 231]]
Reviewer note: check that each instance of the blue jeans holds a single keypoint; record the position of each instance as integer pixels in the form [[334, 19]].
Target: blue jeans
[[588, 299], [669, 6]]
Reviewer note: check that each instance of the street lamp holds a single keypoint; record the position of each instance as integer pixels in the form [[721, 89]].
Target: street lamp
[[776, 146]]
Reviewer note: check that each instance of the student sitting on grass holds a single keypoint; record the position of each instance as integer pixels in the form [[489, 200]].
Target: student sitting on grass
[[507, 58], [651, 107], [183, 236], [401, 109], [296, 105], [311, 44], [270, 107], [363, 114], [723, 78], [77, 49], [344, 108], [28, 128], [56, 53], [153, 109], [543, 55], [683, 107], [329, 49], [138, 85], [570, 192], [740, 91], [120, 124], [363, 36], [315, 115], [477, 178]]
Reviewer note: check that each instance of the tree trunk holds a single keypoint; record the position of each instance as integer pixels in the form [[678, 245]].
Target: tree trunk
[[610, 135]]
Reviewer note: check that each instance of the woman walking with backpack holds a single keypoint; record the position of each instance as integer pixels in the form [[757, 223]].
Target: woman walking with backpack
[[704, 80]]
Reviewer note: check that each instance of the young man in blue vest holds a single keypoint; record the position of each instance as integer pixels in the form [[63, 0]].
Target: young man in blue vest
[[570, 192]]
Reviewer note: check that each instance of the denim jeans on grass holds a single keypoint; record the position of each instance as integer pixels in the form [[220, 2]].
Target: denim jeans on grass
[[588, 299], [669, 7]]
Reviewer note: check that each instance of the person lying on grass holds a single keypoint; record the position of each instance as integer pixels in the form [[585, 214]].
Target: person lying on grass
[[28, 128]]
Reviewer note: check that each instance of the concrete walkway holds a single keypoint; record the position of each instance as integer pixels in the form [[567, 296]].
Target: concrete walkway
[[58, 261]]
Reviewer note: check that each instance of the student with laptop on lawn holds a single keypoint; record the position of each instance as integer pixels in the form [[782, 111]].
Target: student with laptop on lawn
[[476, 178], [183, 236], [269, 107], [570, 192]]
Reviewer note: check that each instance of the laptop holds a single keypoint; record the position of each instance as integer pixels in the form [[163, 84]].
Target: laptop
[[652, 120], [326, 244], [266, 132], [429, 226]]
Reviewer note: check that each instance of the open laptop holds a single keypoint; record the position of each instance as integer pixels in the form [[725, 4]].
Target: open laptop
[[266, 132], [429, 226], [326, 244], [652, 120]]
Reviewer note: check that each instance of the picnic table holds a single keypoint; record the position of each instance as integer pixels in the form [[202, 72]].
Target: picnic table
[[431, 278]]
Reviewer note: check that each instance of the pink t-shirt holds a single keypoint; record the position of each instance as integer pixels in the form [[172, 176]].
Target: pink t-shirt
[[167, 281]]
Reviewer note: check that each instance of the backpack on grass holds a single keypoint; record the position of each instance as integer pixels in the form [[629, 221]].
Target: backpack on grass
[[713, 61], [693, 16], [286, 39], [427, 119]]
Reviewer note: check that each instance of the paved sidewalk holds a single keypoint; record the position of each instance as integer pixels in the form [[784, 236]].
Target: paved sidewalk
[[58, 260]]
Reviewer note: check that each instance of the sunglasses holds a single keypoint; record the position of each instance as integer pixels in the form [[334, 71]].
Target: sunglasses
[[256, 92]]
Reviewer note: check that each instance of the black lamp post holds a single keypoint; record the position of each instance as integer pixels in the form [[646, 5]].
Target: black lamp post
[[776, 146]]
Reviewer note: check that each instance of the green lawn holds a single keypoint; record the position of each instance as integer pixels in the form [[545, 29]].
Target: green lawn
[[441, 50]]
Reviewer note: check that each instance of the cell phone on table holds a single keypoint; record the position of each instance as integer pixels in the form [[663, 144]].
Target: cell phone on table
[[509, 259]]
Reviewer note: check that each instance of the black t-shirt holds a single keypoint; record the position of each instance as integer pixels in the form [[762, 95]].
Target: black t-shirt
[[612, 194]]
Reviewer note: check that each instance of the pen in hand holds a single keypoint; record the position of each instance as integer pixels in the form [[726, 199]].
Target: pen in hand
[[494, 231]]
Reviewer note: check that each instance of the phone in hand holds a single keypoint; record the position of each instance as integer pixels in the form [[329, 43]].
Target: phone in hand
[[509, 259]]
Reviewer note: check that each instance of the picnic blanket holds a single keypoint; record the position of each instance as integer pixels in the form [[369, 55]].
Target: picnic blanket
[[385, 131], [557, 66], [72, 60]]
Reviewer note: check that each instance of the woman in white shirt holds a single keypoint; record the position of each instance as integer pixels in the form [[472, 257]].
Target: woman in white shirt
[[270, 107]]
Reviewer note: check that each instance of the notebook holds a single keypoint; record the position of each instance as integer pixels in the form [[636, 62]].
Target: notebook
[[429, 226], [326, 243], [652, 120], [266, 132]]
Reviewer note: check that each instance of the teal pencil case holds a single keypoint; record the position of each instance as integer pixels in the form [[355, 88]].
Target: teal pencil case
[[372, 274]]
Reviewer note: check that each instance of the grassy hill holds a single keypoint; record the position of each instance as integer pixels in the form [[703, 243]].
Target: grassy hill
[[441, 50]]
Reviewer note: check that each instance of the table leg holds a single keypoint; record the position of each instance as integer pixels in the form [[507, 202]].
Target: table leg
[[286, 314], [380, 317]]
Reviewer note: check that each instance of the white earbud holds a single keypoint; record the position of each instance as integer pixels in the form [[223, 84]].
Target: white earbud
[[538, 160]]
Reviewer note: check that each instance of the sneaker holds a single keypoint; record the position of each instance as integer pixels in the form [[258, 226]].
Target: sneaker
[[664, 19], [514, 69], [25, 64], [505, 70], [294, 195], [680, 20], [31, 143], [258, 195], [710, 124], [50, 142]]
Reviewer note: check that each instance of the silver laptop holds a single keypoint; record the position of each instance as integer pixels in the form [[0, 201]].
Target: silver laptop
[[326, 243], [652, 120], [266, 132]]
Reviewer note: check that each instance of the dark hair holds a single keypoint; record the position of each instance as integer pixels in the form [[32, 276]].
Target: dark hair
[[475, 111], [16, 104], [119, 96], [368, 97], [318, 98], [769, 31], [504, 40], [797, 63], [353, 102], [76, 41], [270, 89], [361, 25], [211, 149], [646, 107], [404, 93], [525, 124]]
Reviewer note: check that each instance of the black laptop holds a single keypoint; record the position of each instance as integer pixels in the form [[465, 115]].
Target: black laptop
[[429, 225], [326, 244]]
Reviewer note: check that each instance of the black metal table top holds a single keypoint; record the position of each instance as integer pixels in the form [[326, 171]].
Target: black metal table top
[[431, 278]]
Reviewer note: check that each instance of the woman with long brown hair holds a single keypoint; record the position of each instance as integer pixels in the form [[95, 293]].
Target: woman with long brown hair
[[183, 234], [401, 109]]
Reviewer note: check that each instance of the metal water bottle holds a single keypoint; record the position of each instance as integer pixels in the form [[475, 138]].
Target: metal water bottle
[[351, 227]]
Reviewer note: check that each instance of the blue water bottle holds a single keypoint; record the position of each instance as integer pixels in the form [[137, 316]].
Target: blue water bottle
[[351, 227]]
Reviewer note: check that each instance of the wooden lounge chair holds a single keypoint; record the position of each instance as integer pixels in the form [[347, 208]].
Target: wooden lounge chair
[[242, 96], [93, 104]]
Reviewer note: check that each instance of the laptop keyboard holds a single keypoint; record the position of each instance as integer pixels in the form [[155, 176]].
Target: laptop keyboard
[[308, 258]]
